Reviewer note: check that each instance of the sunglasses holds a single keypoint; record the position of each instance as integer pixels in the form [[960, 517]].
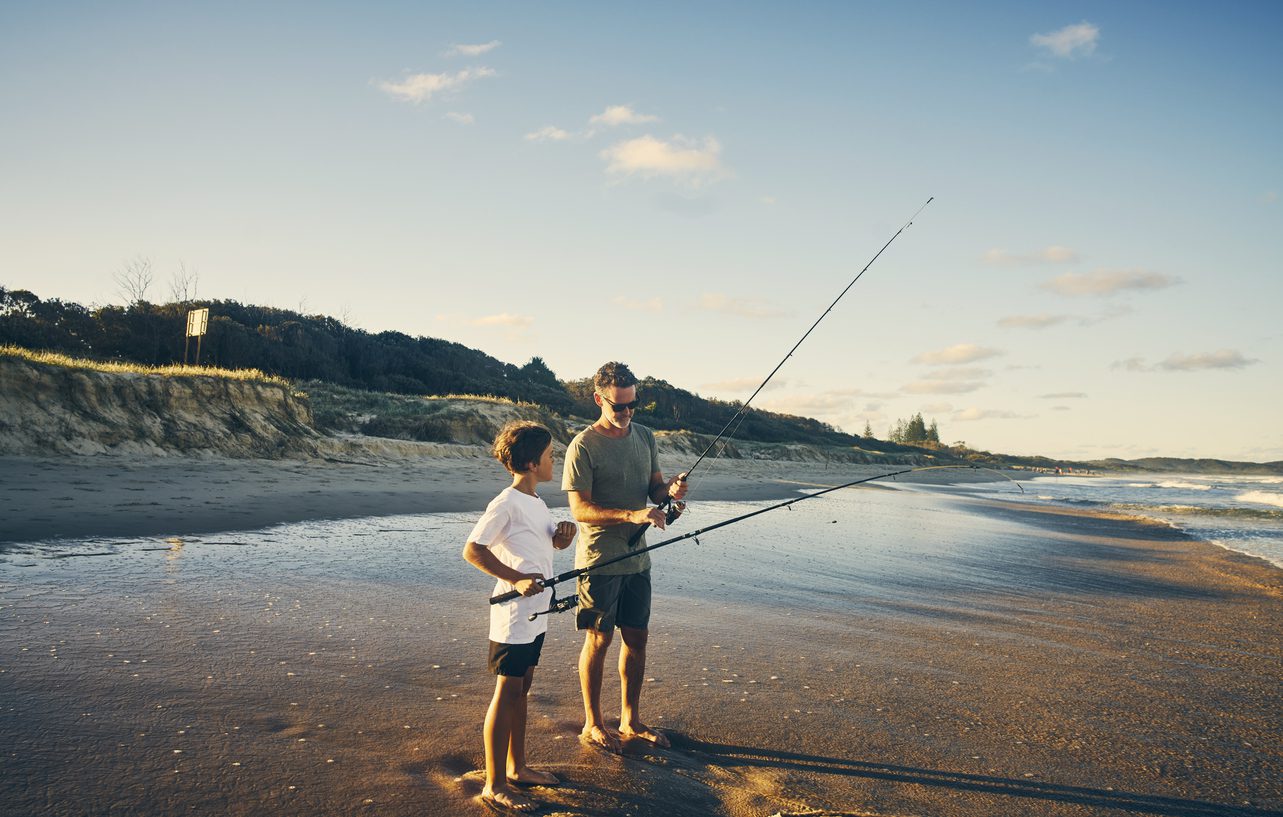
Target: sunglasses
[[618, 407]]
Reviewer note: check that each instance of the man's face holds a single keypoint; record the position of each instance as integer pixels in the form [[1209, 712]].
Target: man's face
[[614, 403]]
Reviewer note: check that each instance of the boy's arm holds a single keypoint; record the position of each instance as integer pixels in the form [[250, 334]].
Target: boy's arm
[[480, 557]]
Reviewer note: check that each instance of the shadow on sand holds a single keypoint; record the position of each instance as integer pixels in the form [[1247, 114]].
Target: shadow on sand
[[731, 757]]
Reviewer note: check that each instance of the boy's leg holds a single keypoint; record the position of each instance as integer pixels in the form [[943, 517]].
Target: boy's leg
[[518, 771], [508, 696]]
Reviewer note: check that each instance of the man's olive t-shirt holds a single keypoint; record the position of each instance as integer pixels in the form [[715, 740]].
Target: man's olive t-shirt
[[616, 473]]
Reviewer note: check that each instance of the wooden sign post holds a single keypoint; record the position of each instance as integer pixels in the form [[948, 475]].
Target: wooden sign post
[[197, 323]]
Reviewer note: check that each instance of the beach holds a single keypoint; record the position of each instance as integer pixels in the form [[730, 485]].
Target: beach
[[290, 637]]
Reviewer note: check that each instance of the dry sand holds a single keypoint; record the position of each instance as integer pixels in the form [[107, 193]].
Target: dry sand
[[1126, 670]]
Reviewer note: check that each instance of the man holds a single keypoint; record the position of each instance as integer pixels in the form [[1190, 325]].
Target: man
[[611, 476]]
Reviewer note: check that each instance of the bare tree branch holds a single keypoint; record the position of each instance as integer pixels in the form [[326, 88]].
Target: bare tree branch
[[183, 283], [134, 279]]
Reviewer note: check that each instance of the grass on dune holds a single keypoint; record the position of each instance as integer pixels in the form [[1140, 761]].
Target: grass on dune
[[173, 370]]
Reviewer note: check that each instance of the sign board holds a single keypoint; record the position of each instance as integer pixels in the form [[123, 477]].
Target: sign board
[[197, 322]]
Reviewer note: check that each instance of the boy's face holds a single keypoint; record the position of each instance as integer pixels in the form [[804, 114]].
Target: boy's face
[[543, 468]]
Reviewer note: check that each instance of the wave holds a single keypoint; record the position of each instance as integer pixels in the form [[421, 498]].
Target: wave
[[1187, 486], [1261, 498], [1194, 510]]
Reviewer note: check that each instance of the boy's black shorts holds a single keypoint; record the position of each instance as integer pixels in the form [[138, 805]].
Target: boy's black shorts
[[609, 601], [515, 659]]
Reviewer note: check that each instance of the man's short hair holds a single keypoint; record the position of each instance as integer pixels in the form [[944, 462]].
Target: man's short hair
[[520, 444], [614, 374]]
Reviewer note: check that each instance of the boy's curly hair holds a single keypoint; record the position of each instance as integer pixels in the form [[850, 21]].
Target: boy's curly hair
[[615, 374], [520, 444]]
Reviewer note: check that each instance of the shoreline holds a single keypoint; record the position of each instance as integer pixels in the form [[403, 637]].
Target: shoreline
[[48, 498]]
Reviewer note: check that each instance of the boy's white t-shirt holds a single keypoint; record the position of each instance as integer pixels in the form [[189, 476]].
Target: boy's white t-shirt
[[518, 529]]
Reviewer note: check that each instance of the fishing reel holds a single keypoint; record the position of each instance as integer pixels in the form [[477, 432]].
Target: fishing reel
[[675, 509], [556, 605]]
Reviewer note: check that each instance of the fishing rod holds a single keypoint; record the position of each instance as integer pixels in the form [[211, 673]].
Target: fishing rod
[[556, 605], [672, 511]]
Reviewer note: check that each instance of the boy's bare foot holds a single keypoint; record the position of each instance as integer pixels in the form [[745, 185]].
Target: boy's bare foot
[[505, 801], [531, 777], [643, 732], [602, 738]]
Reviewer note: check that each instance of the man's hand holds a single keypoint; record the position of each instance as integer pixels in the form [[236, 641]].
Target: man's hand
[[648, 516], [531, 585], [564, 535], [677, 486]]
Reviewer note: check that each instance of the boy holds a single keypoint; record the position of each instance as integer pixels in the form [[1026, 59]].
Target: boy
[[513, 541]]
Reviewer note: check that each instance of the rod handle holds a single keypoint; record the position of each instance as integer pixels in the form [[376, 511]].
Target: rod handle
[[502, 597]]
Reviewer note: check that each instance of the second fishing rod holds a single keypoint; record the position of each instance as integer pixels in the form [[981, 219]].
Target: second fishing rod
[[672, 511]]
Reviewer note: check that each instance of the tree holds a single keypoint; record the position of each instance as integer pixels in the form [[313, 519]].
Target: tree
[[183, 283], [134, 279], [868, 430]]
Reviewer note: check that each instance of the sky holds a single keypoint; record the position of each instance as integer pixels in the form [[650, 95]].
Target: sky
[[686, 187]]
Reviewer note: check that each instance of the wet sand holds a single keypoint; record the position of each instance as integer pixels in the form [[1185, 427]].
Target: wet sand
[[933, 655], [82, 497]]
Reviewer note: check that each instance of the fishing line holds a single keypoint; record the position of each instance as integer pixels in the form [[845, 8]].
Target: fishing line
[[672, 513], [557, 605]]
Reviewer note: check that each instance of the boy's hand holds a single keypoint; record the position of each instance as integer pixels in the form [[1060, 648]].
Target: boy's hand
[[531, 585], [564, 535]]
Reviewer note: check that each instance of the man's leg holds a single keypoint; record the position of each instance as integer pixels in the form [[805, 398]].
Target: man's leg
[[632, 672], [592, 664]]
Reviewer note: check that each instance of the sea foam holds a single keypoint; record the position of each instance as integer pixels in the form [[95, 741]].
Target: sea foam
[[1261, 498]]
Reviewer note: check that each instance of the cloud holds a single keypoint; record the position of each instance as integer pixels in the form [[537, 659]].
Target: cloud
[[1050, 255], [1106, 282], [739, 307], [418, 88], [461, 118], [746, 385], [767, 200], [458, 50], [638, 304], [548, 133], [617, 115], [680, 158], [962, 373], [1070, 41], [1131, 364], [941, 387], [959, 353], [972, 414], [1064, 395], [1222, 359], [503, 319], [813, 405], [1031, 321]]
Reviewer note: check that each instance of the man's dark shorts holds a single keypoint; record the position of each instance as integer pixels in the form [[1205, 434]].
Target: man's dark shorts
[[515, 659], [606, 602]]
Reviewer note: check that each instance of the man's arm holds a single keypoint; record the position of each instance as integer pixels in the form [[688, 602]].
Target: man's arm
[[661, 489], [583, 509]]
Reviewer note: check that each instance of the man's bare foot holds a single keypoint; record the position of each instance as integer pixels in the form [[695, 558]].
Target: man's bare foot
[[602, 738], [527, 776], [643, 732], [506, 801]]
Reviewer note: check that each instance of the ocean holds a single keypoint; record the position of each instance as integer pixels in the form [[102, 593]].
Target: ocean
[[1239, 513]]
